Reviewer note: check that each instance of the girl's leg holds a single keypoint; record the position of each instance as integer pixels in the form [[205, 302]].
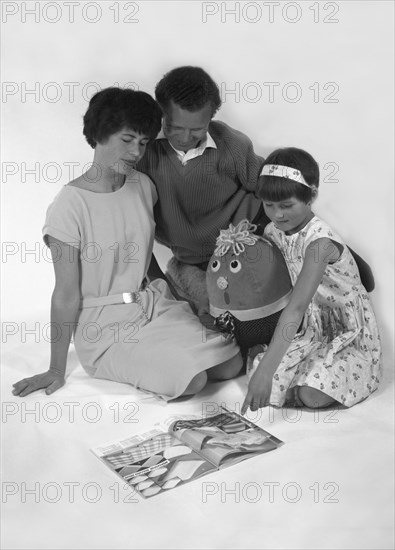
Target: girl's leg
[[314, 399], [226, 370]]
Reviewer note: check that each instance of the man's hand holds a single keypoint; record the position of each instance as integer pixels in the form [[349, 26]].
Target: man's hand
[[205, 318], [203, 307]]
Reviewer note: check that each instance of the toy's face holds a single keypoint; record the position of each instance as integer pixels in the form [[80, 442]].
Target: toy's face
[[254, 278], [233, 282]]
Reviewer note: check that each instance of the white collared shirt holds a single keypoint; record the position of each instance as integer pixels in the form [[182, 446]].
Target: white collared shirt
[[183, 156]]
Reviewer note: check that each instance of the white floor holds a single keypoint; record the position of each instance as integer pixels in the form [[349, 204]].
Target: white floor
[[329, 486]]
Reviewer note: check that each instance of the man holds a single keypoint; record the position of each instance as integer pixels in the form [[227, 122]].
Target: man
[[205, 173]]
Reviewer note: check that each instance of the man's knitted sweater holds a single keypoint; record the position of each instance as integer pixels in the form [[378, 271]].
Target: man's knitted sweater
[[199, 199]]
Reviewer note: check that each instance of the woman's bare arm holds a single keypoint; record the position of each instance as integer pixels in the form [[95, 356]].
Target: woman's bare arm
[[65, 305]]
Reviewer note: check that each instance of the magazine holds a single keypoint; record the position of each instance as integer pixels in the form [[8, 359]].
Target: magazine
[[185, 448]]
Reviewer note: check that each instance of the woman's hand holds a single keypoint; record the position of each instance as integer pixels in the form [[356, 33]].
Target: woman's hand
[[259, 389], [51, 381]]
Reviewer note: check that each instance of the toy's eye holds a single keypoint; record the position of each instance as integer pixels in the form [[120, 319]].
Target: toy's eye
[[215, 265], [235, 266]]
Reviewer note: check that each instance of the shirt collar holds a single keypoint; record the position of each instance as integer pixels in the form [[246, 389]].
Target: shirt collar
[[209, 142]]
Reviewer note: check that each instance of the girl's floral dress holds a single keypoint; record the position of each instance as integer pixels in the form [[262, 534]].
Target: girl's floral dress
[[338, 348]]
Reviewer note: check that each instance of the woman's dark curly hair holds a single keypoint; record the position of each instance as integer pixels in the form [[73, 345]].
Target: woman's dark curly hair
[[276, 189], [113, 108], [191, 88]]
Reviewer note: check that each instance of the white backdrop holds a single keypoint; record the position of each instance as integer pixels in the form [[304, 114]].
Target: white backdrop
[[323, 82], [316, 75]]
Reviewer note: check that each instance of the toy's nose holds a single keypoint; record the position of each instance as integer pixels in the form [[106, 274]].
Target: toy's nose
[[222, 283]]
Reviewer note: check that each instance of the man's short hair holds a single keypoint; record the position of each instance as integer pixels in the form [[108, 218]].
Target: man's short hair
[[191, 88]]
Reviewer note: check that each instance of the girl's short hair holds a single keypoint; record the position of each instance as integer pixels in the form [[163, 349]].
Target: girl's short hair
[[113, 108], [191, 88], [273, 188]]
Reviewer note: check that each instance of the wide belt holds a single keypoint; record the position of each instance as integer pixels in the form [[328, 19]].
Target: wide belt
[[112, 299], [255, 313]]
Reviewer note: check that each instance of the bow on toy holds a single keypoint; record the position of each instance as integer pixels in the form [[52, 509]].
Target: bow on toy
[[226, 324], [237, 237]]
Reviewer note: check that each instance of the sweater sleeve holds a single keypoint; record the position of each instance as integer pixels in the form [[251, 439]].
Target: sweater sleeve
[[254, 165], [248, 164]]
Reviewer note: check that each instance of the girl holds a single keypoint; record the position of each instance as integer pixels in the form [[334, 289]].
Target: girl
[[100, 229], [326, 346]]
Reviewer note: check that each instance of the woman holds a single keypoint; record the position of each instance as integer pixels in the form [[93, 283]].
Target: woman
[[100, 230]]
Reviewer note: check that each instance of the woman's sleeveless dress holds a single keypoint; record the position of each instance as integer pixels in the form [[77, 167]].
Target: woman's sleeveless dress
[[156, 344]]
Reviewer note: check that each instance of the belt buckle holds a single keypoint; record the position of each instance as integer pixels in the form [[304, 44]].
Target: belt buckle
[[128, 297]]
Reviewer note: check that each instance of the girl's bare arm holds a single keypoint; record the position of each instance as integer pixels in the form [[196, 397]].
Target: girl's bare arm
[[318, 254]]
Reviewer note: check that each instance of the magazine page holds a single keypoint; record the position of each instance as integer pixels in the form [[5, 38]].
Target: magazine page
[[225, 437], [175, 426], [153, 462]]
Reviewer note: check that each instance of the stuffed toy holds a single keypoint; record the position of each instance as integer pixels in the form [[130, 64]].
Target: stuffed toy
[[248, 285]]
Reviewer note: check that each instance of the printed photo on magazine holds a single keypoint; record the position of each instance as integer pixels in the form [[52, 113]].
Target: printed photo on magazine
[[185, 448]]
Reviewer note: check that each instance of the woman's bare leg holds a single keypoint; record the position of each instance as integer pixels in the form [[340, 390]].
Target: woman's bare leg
[[226, 370], [196, 384]]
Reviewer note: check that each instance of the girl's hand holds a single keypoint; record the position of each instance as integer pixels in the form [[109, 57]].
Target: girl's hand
[[51, 380], [259, 390]]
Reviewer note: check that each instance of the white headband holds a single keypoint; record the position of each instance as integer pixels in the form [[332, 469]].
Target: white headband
[[283, 172]]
